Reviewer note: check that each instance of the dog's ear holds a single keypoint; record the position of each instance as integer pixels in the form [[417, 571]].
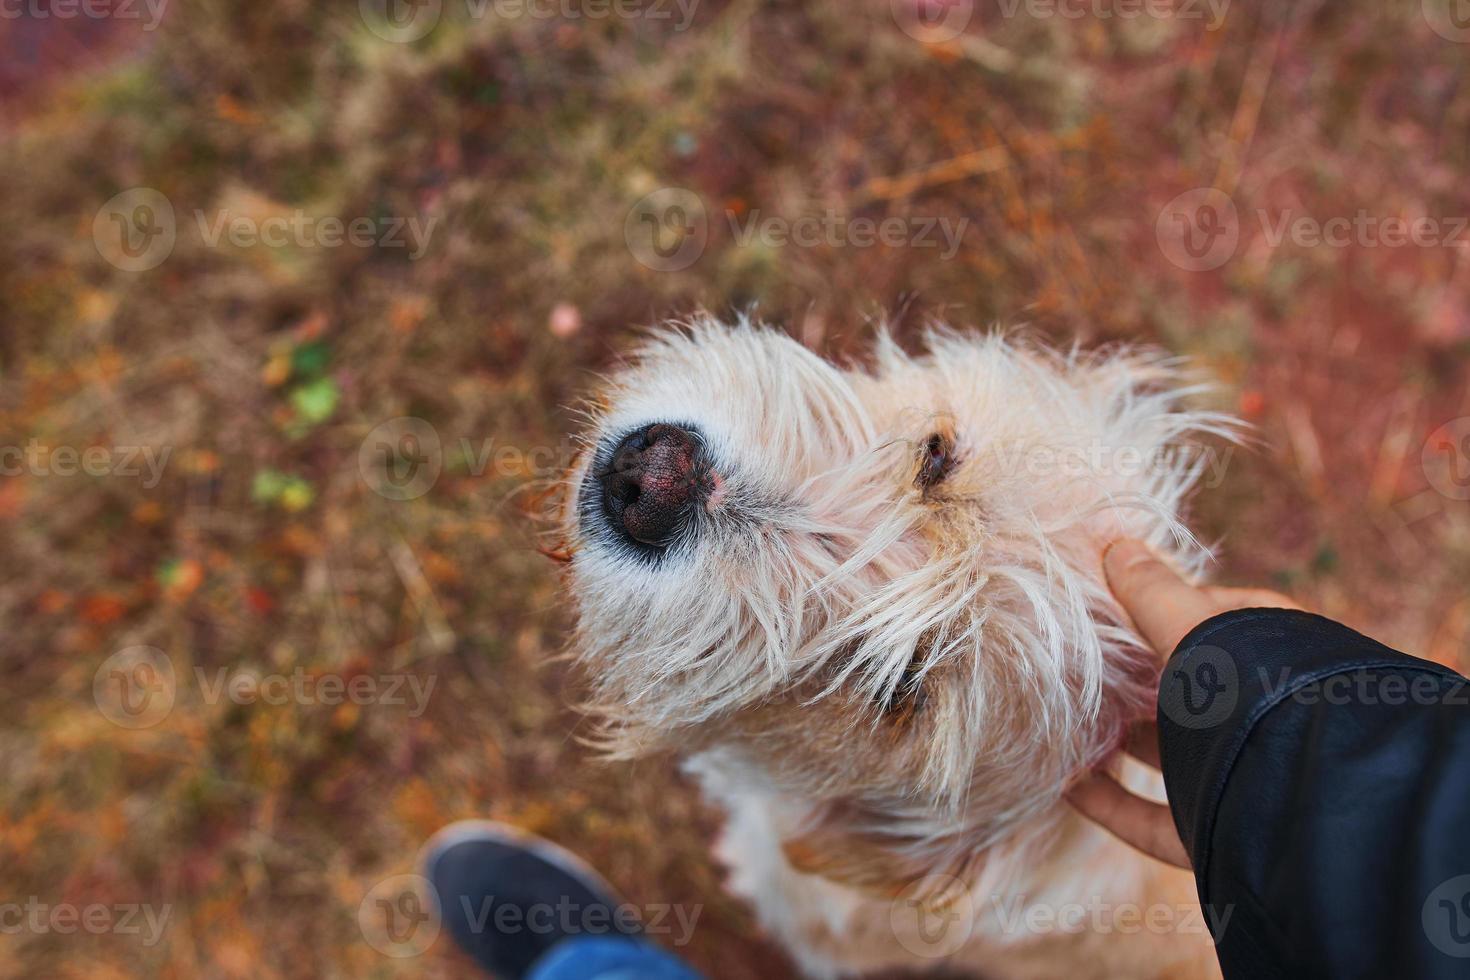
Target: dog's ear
[[558, 551], [547, 504], [845, 858], [832, 844]]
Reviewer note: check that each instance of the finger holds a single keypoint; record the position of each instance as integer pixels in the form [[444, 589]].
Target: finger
[[1135, 821], [1162, 605], [1229, 597], [1143, 742]]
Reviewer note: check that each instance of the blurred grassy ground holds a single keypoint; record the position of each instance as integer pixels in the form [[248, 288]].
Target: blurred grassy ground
[[263, 369]]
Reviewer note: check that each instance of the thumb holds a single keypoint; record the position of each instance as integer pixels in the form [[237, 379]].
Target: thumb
[[1162, 605]]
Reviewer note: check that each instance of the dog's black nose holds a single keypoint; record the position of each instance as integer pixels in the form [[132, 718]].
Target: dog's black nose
[[651, 482]]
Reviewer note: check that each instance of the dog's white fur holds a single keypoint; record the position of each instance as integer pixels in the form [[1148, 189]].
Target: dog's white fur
[[888, 685]]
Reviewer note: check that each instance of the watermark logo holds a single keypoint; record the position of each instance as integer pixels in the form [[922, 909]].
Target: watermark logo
[[1198, 230], [933, 917], [401, 459], [1446, 459], [135, 230], [135, 687], [399, 916], [1200, 689], [932, 21], [667, 230], [1446, 917], [1450, 19], [401, 21]]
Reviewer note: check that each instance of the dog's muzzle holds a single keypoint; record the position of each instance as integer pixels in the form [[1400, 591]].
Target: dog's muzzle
[[653, 482]]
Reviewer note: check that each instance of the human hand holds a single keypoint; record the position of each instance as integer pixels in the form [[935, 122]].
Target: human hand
[[1164, 608]]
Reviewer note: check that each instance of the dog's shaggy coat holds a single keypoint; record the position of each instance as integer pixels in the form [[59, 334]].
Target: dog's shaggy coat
[[883, 640]]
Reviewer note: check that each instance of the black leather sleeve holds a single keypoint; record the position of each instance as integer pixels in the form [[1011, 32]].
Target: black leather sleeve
[[1321, 784]]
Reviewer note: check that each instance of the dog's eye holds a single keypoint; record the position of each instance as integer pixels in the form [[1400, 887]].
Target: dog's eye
[[936, 461]]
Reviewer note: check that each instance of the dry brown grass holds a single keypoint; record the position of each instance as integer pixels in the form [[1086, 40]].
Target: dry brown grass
[[262, 369]]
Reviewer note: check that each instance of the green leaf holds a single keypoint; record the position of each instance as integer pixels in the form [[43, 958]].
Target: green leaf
[[316, 401], [297, 495], [289, 492], [311, 358], [267, 485], [168, 572]]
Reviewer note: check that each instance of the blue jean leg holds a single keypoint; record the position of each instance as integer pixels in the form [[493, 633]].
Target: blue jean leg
[[609, 958]]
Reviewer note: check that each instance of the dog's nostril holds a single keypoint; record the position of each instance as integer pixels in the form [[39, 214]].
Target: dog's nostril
[[651, 481]]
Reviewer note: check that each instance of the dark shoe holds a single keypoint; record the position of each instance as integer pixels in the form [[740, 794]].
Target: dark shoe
[[508, 897]]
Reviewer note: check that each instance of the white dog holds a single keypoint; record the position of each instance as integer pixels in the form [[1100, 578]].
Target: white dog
[[868, 606]]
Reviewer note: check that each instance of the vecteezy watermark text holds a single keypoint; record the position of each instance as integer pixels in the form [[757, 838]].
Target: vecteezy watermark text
[[1202, 688], [97, 918], [245, 687], [87, 9], [406, 21], [568, 918], [1095, 460], [402, 458], [38, 459], [677, 13], [1097, 915], [935, 916], [137, 687], [668, 229], [1369, 687], [1200, 230], [938, 21], [1364, 230], [834, 229], [400, 917], [305, 230], [138, 229], [1213, 12]]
